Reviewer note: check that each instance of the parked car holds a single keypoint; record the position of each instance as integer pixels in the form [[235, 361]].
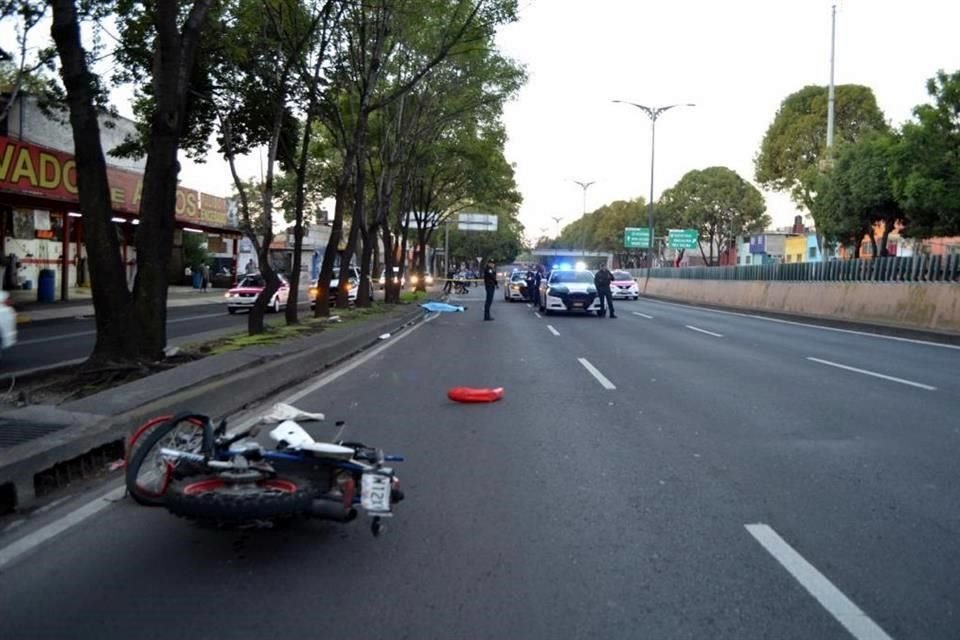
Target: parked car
[[624, 286], [249, 288], [8, 321]]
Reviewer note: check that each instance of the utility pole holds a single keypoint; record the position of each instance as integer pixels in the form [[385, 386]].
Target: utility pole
[[831, 92]]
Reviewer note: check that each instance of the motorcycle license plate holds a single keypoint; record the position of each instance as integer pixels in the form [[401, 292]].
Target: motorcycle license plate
[[375, 492]]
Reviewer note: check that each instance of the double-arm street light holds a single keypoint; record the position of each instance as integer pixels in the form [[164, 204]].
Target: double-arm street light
[[653, 113], [584, 186]]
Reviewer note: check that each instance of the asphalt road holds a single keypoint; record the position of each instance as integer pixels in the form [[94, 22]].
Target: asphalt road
[[49, 342], [698, 475]]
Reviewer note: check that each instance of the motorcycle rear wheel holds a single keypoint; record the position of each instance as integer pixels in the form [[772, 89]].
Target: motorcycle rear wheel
[[148, 474], [214, 499]]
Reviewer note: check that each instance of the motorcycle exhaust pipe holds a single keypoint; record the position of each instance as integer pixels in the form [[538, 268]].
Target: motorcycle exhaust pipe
[[331, 510]]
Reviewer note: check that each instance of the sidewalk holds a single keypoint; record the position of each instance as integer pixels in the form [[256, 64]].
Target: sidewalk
[[44, 447]]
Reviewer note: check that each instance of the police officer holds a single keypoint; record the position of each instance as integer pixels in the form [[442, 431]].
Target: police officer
[[602, 279], [490, 282]]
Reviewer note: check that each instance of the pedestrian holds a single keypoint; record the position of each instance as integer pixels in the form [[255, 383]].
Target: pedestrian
[[602, 279], [490, 282], [448, 285], [205, 271]]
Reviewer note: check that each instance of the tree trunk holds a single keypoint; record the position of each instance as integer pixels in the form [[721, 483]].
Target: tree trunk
[[322, 308], [117, 339]]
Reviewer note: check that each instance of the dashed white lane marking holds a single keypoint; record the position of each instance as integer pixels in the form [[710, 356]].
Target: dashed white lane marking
[[709, 333], [874, 374], [32, 540], [643, 315], [832, 599], [927, 343], [552, 330], [602, 379], [12, 552]]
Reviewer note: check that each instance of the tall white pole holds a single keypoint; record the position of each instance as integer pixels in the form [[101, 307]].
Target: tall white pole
[[831, 92]]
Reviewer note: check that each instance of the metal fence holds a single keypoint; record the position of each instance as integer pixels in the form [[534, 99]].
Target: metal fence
[[944, 269]]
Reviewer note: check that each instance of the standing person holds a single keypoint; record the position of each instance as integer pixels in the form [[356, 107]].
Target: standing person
[[602, 279], [490, 282], [205, 270], [448, 285], [537, 280]]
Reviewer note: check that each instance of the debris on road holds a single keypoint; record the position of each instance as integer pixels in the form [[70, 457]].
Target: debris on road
[[471, 395]]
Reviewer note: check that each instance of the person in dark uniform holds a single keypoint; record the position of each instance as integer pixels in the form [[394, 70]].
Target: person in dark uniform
[[602, 279], [490, 282], [537, 279]]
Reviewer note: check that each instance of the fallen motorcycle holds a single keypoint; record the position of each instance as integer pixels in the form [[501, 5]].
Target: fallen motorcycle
[[200, 471]]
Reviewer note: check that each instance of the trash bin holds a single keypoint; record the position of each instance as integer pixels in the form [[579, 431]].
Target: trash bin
[[197, 279], [46, 285]]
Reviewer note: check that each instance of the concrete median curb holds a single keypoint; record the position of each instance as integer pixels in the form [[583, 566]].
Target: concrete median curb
[[100, 422]]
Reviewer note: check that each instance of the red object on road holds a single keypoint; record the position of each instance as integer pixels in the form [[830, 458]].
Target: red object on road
[[469, 394]]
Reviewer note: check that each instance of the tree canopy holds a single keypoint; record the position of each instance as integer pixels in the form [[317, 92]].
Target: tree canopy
[[794, 147]]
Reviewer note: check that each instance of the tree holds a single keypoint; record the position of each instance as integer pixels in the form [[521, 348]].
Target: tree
[[131, 326], [857, 192], [926, 162], [719, 204], [794, 146]]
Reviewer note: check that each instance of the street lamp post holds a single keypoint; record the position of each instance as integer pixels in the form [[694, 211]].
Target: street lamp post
[[584, 186], [653, 113], [557, 219]]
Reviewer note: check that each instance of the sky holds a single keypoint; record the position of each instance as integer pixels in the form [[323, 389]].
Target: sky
[[735, 59]]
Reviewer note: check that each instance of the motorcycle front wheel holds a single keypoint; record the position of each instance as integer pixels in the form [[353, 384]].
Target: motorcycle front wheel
[[148, 473], [214, 498]]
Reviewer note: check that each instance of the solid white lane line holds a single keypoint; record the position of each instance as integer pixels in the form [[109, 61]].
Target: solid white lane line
[[537, 314], [552, 330], [919, 385], [927, 343], [832, 599], [30, 541], [709, 333], [642, 315], [602, 379]]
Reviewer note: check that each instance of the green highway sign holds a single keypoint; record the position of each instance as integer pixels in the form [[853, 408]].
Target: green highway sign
[[682, 238], [636, 238]]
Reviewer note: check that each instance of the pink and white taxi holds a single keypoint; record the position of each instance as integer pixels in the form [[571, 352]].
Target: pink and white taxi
[[624, 286], [245, 294]]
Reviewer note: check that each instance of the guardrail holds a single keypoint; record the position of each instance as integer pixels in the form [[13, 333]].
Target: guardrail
[[944, 269]]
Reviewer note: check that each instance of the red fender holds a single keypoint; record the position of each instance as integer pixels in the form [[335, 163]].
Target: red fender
[[468, 394]]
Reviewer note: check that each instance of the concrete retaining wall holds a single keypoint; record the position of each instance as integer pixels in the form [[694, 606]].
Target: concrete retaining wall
[[929, 307]]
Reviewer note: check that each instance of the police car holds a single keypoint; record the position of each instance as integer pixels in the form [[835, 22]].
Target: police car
[[569, 290]]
